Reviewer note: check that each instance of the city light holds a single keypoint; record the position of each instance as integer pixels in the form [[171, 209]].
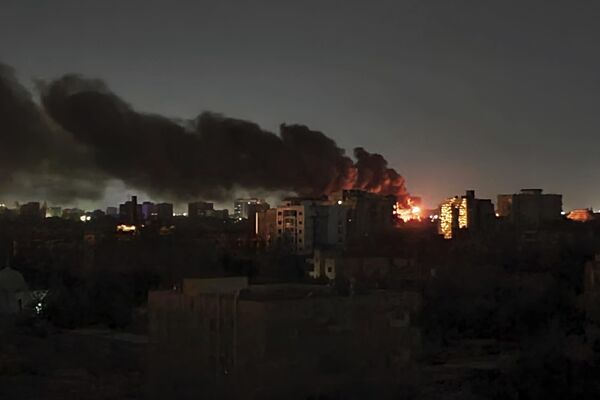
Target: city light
[[126, 228], [447, 210]]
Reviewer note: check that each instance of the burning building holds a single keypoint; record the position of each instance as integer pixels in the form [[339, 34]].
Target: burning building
[[581, 215], [410, 210]]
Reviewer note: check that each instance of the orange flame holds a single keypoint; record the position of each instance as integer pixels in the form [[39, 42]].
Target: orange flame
[[409, 211]]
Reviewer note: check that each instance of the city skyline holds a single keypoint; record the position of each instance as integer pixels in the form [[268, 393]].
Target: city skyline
[[512, 109]]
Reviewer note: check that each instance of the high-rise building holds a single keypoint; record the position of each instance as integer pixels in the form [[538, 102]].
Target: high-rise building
[[530, 207], [148, 210], [266, 225], [368, 213], [200, 209], [301, 224], [330, 224], [291, 225], [295, 227], [253, 210], [242, 208], [112, 211], [164, 212], [130, 211], [465, 212], [32, 210]]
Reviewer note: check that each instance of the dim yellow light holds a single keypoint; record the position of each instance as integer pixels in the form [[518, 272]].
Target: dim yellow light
[[126, 228]]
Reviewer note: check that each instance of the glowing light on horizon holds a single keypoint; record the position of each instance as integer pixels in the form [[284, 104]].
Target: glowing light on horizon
[[409, 212]]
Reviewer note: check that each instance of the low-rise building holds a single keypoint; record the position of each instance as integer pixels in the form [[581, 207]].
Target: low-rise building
[[230, 340]]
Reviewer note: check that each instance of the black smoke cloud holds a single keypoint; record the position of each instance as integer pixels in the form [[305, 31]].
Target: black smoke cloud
[[85, 133], [37, 157]]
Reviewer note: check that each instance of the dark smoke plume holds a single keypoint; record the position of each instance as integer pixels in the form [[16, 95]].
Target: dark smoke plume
[[37, 157], [101, 136]]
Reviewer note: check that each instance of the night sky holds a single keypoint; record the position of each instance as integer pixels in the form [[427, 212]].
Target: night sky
[[485, 95]]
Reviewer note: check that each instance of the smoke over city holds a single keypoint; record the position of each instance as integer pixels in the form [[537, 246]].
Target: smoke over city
[[83, 135]]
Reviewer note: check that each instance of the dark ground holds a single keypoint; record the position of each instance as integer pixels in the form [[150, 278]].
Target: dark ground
[[96, 364], [68, 365]]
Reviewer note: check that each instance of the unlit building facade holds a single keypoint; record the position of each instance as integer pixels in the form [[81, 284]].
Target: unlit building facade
[[276, 341]]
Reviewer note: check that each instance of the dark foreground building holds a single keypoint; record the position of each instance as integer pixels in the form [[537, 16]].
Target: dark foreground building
[[220, 338]]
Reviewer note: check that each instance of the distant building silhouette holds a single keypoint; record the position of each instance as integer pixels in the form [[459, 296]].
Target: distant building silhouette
[[73, 214], [130, 211], [368, 213], [243, 208], [148, 210], [32, 210], [530, 207], [53, 212], [199, 209], [164, 212]]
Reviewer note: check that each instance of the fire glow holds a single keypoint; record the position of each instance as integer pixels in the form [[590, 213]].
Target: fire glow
[[407, 212]]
